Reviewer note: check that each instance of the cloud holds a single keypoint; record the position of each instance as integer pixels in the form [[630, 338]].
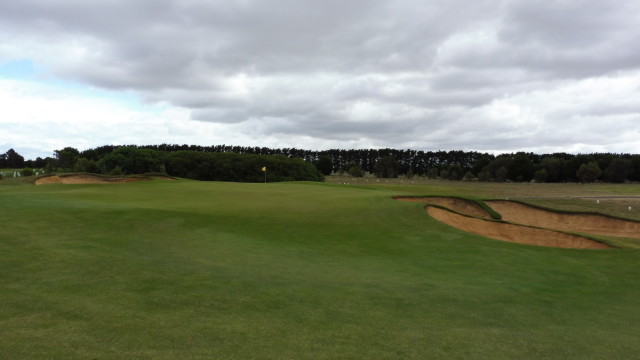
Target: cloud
[[41, 118], [489, 75]]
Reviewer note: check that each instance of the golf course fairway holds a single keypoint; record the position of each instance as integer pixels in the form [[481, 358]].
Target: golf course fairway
[[210, 270]]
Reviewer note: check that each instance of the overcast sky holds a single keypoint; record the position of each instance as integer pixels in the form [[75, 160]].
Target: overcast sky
[[484, 75]]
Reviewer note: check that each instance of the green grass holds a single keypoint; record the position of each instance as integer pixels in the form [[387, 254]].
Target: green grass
[[205, 270], [615, 241]]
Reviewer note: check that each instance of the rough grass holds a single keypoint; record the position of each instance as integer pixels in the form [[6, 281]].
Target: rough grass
[[202, 270], [475, 201], [614, 199], [618, 207]]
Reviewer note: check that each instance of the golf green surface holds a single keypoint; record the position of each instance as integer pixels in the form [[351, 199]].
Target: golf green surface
[[209, 270]]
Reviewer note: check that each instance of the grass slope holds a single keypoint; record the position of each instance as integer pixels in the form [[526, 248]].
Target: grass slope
[[203, 270]]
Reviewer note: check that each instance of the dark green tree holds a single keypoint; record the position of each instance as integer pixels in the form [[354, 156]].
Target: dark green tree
[[484, 174], [131, 160], [86, 165], [40, 162], [541, 176], [521, 167], [11, 159], [495, 167], [589, 172], [325, 165], [456, 172], [634, 174], [618, 170], [501, 174], [386, 167], [50, 166], [573, 164], [66, 158], [409, 174], [355, 170], [554, 167], [433, 173]]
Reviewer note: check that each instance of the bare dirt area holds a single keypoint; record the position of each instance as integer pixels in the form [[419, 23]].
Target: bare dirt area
[[87, 179], [458, 205], [513, 233], [585, 223]]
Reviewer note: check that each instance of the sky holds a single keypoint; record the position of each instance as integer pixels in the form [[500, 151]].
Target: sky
[[494, 76]]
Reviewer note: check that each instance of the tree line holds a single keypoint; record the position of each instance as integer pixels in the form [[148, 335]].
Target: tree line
[[453, 165]]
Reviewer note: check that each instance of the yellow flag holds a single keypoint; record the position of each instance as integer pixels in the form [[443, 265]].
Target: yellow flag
[[264, 168]]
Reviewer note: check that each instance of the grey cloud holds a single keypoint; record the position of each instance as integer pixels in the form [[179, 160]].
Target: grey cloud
[[556, 39], [337, 129], [427, 69], [569, 24]]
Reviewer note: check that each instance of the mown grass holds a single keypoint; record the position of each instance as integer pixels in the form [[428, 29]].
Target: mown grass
[[205, 270]]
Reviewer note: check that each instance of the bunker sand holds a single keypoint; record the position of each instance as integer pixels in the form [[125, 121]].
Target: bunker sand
[[91, 179], [458, 205], [513, 233], [470, 217], [583, 223]]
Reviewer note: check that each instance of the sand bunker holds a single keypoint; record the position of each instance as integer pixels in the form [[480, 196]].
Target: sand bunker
[[513, 233], [86, 179], [583, 223], [458, 205], [530, 225]]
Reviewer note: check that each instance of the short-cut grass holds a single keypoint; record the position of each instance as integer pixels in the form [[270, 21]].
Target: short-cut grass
[[210, 270]]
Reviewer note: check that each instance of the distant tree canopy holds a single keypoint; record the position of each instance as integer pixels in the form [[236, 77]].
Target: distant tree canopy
[[199, 165], [618, 170], [387, 167], [450, 165], [66, 158], [589, 172], [325, 165], [11, 159], [241, 168], [355, 170], [131, 160]]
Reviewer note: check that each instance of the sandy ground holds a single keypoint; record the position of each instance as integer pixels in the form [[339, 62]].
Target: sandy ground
[[513, 233], [84, 179], [584, 223], [539, 226], [458, 205]]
